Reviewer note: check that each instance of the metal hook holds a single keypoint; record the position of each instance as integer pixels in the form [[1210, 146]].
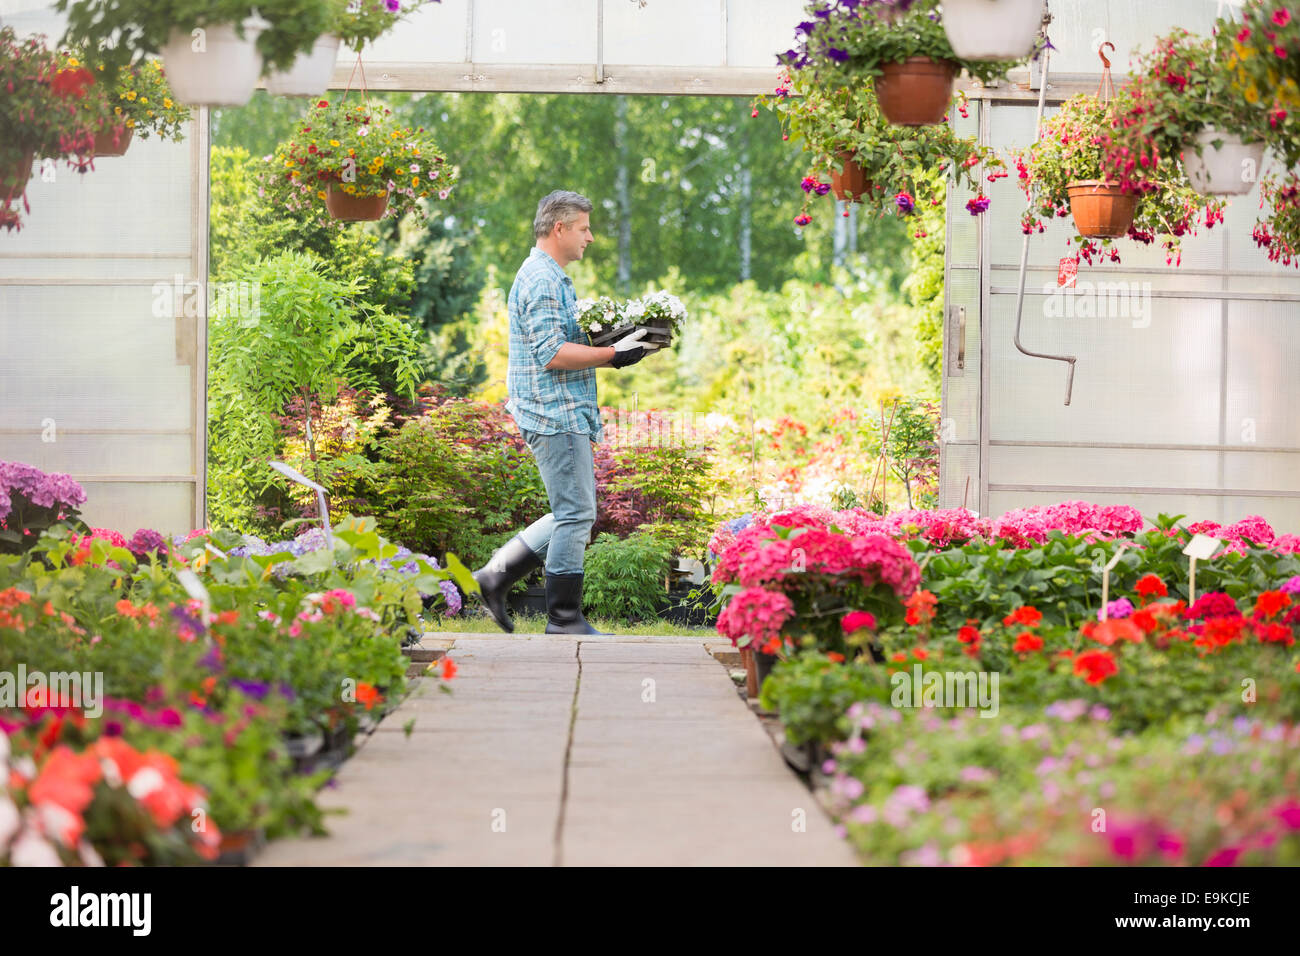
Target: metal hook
[[1105, 61]]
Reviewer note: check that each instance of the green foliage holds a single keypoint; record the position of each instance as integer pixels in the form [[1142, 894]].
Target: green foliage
[[913, 448], [624, 578], [309, 334], [813, 693], [924, 285]]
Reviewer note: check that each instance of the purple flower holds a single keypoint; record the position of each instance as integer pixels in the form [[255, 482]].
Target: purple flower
[[253, 689], [452, 595], [393, 5], [977, 205], [185, 619], [1121, 608], [1292, 587], [146, 542], [112, 728], [821, 189], [905, 203], [836, 54]]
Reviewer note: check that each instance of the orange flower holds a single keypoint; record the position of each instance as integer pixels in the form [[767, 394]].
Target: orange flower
[[208, 684], [368, 695], [920, 653], [1115, 629], [836, 656], [66, 780], [228, 617], [126, 608], [920, 607], [448, 668]]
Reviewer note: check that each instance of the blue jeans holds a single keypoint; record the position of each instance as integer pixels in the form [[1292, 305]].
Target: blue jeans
[[568, 469]]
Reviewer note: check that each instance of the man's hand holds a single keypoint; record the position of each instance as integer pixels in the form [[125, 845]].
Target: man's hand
[[630, 349]]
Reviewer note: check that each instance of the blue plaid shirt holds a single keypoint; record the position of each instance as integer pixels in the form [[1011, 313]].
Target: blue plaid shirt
[[543, 316]]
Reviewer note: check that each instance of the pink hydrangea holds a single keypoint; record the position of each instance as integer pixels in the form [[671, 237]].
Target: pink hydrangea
[[756, 613]]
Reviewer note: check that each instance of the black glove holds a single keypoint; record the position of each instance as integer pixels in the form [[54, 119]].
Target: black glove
[[628, 357]]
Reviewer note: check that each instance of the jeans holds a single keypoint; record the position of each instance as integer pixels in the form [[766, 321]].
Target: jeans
[[568, 469]]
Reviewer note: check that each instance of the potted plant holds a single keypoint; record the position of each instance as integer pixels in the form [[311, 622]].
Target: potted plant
[[213, 50], [1183, 102], [1063, 174], [992, 29], [900, 44], [361, 163], [41, 115], [604, 320], [1278, 234], [867, 157], [139, 101]]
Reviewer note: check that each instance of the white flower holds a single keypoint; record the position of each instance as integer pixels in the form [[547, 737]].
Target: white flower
[[30, 849], [635, 309], [145, 782], [415, 167], [585, 304], [363, 131], [595, 326]]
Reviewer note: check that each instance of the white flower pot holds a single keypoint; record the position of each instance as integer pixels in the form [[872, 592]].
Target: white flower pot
[[992, 29], [310, 73], [1230, 170], [223, 72]]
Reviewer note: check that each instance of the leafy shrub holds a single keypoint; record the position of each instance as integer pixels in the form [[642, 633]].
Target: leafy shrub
[[813, 694], [625, 576]]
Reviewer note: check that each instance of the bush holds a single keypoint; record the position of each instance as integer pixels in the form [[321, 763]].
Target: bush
[[625, 577]]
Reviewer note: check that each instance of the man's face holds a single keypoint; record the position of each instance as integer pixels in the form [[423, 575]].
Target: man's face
[[575, 236]]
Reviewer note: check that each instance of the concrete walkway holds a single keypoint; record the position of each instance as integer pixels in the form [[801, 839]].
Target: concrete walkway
[[555, 751]]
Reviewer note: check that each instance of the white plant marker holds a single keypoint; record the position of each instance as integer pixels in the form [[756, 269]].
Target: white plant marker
[[1105, 580], [195, 589], [1201, 547], [294, 475]]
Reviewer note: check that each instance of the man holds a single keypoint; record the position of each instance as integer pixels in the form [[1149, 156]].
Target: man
[[551, 382]]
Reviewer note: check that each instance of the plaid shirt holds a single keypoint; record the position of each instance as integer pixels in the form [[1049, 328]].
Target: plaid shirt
[[543, 316]]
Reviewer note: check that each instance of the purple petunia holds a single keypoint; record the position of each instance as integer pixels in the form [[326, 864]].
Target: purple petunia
[[251, 688], [836, 54]]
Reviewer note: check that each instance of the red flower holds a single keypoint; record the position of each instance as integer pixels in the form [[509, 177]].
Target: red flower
[[857, 620], [1028, 615], [1116, 629], [968, 635], [1026, 642], [1149, 585], [367, 695], [1270, 602], [920, 653], [836, 656], [72, 82], [1095, 666]]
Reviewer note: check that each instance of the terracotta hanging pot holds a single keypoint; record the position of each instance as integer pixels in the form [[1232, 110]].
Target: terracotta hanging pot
[[14, 177], [1102, 210], [355, 208], [916, 92], [104, 141], [850, 182]]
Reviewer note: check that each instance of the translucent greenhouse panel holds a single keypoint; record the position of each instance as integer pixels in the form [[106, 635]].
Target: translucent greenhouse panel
[[1100, 467], [1078, 26], [99, 375], [1195, 507]]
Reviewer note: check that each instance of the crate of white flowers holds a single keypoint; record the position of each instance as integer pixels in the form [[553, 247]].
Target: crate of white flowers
[[605, 320]]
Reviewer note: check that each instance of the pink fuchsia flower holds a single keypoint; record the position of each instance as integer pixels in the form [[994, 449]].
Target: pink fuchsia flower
[[857, 620], [802, 219], [905, 203], [977, 205]]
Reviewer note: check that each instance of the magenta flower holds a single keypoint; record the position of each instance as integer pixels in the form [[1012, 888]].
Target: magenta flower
[[905, 203], [977, 205]]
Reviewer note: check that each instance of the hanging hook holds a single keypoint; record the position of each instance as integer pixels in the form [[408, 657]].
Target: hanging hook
[[1105, 61]]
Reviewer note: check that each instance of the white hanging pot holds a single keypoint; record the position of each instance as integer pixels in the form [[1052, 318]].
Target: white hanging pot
[[1231, 169], [216, 68], [992, 29], [311, 72]]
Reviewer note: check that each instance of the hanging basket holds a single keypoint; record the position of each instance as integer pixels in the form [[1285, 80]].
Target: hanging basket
[[850, 182], [14, 177], [223, 73], [310, 74], [355, 208], [1231, 169], [1102, 210], [106, 145], [916, 92], [992, 29]]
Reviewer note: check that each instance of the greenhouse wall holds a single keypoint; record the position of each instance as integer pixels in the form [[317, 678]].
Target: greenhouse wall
[[1184, 385]]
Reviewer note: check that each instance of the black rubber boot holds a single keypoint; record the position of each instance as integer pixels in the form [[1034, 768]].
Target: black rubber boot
[[564, 606], [512, 561]]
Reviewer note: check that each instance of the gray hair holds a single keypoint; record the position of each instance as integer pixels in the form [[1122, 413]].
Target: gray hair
[[559, 206]]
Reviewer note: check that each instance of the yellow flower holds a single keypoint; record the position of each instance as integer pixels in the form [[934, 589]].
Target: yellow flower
[[130, 95], [167, 104], [144, 99], [334, 142], [72, 61], [320, 193], [415, 181], [117, 110], [1252, 94], [352, 152], [151, 112]]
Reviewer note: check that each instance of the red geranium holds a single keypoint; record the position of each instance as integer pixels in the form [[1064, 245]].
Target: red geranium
[[1095, 666]]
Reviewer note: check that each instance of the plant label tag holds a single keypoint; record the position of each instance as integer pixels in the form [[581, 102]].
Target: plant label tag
[[1201, 547], [193, 586], [294, 475], [1067, 273]]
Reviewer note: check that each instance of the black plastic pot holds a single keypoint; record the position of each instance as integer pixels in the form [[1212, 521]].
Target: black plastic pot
[[763, 663], [657, 334], [531, 601], [679, 608]]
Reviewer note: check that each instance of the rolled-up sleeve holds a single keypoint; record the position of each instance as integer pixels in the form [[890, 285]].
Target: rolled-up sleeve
[[545, 321]]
